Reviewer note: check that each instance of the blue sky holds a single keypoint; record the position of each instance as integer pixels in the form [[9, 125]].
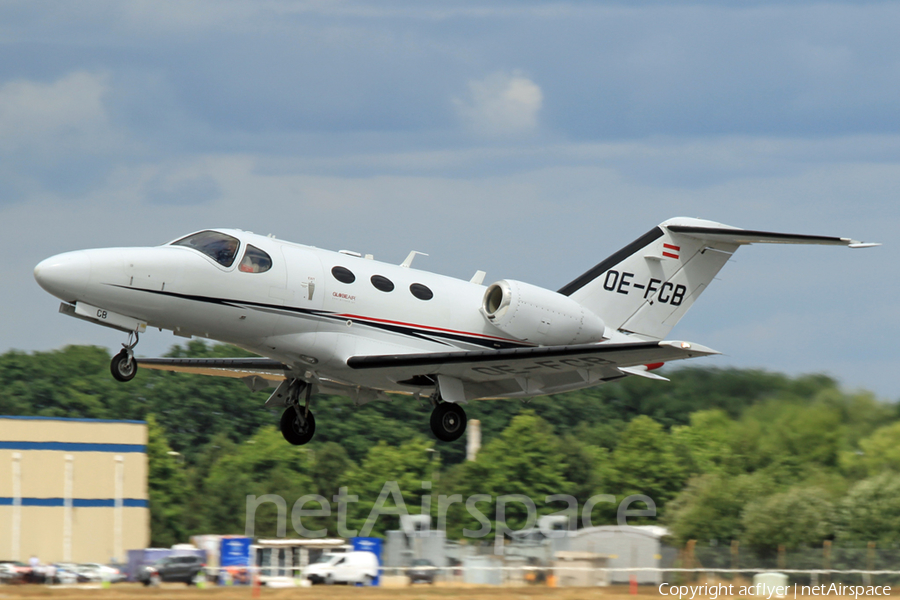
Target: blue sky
[[527, 139]]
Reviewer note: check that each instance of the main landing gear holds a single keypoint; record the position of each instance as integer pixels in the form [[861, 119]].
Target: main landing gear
[[298, 424], [448, 421], [123, 366]]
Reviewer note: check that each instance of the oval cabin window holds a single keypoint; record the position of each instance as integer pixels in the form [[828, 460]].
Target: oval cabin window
[[343, 275], [255, 260], [382, 283], [421, 292]]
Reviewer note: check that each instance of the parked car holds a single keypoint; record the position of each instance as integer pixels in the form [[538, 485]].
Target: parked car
[[186, 569], [68, 573], [421, 570], [9, 574], [98, 572], [346, 567], [15, 572]]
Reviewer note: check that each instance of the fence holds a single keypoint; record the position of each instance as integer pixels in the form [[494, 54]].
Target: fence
[[522, 574]]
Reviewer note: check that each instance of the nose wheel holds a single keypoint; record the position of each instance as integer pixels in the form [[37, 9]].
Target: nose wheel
[[448, 421], [123, 366]]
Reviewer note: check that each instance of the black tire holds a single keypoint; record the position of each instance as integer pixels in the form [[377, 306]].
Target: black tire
[[448, 421], [121, 368], [294, 430]]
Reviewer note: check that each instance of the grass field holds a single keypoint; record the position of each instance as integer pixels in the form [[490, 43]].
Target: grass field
[[438, 592]]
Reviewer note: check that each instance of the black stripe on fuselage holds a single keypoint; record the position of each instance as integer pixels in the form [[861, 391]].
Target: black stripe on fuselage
[[601, 268], [422, 334]]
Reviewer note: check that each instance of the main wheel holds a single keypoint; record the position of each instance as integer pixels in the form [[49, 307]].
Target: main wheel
[[448, 421], [121, 368], [295, 428]]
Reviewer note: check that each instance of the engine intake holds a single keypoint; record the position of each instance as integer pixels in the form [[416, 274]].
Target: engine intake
[[537, 315]]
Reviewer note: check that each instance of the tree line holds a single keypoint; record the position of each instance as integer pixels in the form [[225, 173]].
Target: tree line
[[725, 454]]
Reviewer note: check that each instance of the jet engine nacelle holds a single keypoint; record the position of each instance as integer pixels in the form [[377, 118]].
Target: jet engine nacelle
[[534, 314]]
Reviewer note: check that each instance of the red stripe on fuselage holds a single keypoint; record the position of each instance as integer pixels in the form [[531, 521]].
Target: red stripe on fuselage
[[427, 327], [670, 255]]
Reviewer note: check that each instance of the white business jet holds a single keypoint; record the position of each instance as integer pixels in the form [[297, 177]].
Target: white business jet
[[343, 323]]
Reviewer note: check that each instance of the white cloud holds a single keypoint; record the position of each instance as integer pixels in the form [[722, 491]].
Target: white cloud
[[61, 116], [501, 105]]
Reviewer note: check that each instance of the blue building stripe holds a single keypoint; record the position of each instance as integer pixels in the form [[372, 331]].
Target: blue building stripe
[[72, 419], [73, 447], [78, 502]]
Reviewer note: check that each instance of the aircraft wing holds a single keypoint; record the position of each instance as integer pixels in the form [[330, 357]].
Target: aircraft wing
[[529, 371], [239, 368]]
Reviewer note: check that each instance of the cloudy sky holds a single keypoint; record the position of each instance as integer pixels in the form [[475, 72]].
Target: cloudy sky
[[527, 139]]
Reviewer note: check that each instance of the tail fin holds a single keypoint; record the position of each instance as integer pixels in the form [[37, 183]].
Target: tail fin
[[647, 286]]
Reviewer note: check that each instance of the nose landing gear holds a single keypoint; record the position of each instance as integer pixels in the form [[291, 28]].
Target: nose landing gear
[[448, 421], [123, 366], [298, 425]]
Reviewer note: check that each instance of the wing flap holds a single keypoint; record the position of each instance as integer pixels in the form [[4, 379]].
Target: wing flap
[[239, 368]]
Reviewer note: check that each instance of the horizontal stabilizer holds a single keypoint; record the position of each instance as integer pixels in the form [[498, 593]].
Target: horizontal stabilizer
[[643, 371], [734, 235]]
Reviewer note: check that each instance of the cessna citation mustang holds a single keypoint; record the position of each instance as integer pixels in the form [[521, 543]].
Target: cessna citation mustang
[[343, 323]]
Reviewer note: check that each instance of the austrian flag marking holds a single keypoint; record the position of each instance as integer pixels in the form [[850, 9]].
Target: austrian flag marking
[[670, 251]]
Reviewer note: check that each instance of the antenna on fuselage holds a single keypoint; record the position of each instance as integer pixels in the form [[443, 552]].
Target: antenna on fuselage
[[406, 263]]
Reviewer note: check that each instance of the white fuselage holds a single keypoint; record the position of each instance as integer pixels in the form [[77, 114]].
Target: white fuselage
[[296, 312]]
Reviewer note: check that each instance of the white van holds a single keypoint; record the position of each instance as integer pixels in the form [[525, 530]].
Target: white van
[[346, 567]]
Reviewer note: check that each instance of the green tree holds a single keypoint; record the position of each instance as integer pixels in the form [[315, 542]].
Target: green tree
[[870, 511], [262, 465], [798, 517], [526, 459], [876, 453], [710, 508], [385, 472], [166, 488], [646, 462], [708, 442]]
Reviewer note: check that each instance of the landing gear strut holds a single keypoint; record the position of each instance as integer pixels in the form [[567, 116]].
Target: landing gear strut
[[448, 421], [298, 424], [123, 366]]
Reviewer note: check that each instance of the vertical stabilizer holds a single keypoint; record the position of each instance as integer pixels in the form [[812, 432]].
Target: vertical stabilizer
[[647, 286]]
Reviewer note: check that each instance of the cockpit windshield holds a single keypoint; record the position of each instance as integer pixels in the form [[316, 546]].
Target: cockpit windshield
[[220, 247], [255, 260]]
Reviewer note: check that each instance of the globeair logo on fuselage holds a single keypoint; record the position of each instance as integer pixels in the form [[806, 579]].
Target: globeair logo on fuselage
[[341, 296]]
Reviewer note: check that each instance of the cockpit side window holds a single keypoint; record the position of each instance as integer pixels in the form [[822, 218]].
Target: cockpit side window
[[255, 261], [220, 247]]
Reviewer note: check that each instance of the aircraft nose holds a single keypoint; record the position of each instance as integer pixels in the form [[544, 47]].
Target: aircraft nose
[[65, 275]]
